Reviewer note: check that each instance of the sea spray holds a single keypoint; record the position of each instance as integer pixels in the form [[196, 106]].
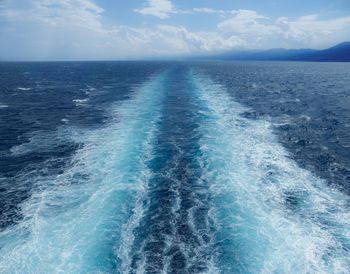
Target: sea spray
[[271, 215], [179, 180], [174, 233], [73, 222]]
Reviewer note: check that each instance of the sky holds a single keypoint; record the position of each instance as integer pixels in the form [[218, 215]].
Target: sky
[[146, 29]]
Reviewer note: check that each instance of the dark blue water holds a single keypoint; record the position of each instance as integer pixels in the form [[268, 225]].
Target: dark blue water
[[145, 167], [309, 104]]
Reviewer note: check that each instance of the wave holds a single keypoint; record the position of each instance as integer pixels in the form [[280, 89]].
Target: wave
[[80, 102], [43, 142], [271, 215], [180, 179], [173, 234], [72, 223]]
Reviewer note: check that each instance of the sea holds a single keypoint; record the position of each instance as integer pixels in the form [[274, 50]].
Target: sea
[[174, 167]]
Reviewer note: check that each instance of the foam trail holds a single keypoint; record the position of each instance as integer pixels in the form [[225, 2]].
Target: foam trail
[[271, 215], [73, 223], [173, 233]]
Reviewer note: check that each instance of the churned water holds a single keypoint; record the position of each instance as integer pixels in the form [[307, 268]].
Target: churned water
[[151, 167]]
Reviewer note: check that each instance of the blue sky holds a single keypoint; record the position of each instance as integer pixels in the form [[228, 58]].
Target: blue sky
[[136, 29]]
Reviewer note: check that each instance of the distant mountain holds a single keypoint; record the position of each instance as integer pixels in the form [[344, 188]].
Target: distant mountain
[[338, 53], [282, 54]]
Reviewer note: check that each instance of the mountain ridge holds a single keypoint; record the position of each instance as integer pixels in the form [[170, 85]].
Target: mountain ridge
[[337, 53]]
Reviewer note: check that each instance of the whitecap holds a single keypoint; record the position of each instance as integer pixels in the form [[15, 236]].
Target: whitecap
[[81, 102], [42, 141], [73, 223], [305, 117], [271, 215], [23, 89]]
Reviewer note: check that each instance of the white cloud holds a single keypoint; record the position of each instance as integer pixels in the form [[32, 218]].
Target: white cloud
[[75, 13], [247, 15], [209, 11], [158, 8], [191, 42], [245, 22], [307, 31], [74, 29], [164, 8], [316, 32], [167, 40]]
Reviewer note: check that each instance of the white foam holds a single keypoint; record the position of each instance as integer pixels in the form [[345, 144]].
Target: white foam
[[81, 102], [23, 89], [3, 106], [305, 117], [73, 222], [42, 141], [251, 176]]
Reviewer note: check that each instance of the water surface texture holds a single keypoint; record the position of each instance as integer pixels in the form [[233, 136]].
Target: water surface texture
[[150, 167]]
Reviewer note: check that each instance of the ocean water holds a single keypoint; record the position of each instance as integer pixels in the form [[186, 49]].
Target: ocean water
[[174, 167]]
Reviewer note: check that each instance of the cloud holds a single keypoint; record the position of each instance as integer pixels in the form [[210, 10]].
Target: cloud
[[158, 8], [164, 8], [75, 13], [167, 40], [245, 22], [247, 15], [49, 29], [209, 11], [200, 42], [311, 30], [75, 29], [307, 31]]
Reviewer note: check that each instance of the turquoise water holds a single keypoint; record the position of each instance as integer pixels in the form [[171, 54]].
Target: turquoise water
[[176, 179]]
